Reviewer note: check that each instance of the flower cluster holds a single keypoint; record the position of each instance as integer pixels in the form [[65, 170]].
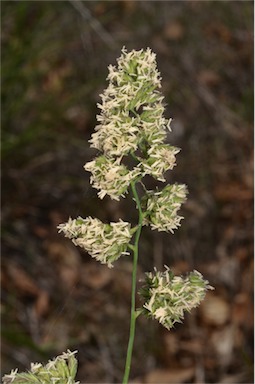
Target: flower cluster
[[131, 105], [162, 207], [167, 296], [60, 370], [110, 176], [161, 159], [131, 122], [105, 242]]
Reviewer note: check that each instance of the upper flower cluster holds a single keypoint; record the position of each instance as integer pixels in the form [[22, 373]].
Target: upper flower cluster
[[105, 242], [131, 122], [131, 105], [60, 370], [168, 296]]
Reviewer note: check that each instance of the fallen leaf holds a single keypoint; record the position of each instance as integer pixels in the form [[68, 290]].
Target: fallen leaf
[[242, 253], [209, 78], [160, 45], [22, 281], [195, 346], [215, 310], [164, 376], [172, 344], [42, 304], [41, 231], [233, 379], [55, 77], [225, 270], [174, 31], [68, 261], [223, 344], [242, 312], [220, 31], [233, 192], [128, 5], [95, 276]]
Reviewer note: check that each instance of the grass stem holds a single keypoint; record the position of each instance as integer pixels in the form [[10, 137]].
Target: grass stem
[[133, 294]]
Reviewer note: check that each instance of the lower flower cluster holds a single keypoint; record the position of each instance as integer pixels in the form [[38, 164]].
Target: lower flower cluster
[[60, 370], [105, 242], [167, 297]]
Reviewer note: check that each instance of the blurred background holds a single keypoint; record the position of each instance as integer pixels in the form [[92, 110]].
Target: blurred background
[[54, 296]]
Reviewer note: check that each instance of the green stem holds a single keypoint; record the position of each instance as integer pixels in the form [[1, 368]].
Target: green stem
[[133, 294]]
